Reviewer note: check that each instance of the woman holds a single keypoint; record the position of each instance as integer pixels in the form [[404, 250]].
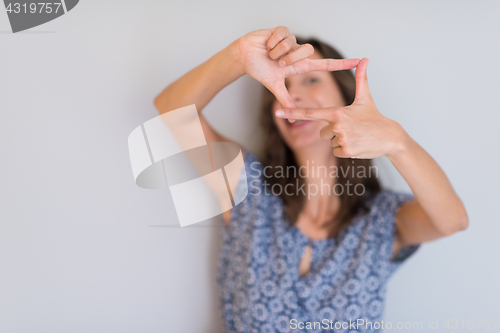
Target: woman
[[295, 260]]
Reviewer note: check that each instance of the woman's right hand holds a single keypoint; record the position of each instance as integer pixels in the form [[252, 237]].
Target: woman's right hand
[[271, 55]]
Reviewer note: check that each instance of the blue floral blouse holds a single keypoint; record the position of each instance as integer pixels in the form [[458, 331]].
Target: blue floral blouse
[[258, 280]]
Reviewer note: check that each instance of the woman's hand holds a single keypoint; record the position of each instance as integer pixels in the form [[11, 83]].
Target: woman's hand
[[271, 55], [358, 130]]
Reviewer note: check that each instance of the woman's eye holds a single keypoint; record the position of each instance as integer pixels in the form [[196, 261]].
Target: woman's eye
[[312, 80]]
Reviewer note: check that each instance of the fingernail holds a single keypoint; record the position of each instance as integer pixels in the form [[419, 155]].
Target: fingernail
[[280, 113], [282, 63]]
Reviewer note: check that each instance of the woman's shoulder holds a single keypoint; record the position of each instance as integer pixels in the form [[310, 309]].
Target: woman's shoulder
[[252, 178], [387, 199], [253, 164], [382, 210], [259, 205], [380, 230], [254, 173]]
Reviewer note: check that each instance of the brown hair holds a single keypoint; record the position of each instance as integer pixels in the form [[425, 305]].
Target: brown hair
[[278, 155]]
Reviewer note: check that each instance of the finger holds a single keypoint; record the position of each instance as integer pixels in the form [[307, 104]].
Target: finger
[[286, 45], [309, 65], [281, 93], [306, 114], [326, 132], [334, 141], [300, 53], [362, 90], [278, 34], [339, 152]]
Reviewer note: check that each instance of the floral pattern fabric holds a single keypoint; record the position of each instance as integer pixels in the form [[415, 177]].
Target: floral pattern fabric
[[259, 285]]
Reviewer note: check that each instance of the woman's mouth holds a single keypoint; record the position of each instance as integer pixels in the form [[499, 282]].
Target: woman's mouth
[[297, 123]]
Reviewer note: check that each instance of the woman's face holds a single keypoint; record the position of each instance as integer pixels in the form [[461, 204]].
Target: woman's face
[[310, 90]]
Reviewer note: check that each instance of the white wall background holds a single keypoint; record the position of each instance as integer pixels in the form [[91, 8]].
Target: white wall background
[[79, 250]]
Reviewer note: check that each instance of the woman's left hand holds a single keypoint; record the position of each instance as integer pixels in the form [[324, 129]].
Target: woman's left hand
[[358, 130]]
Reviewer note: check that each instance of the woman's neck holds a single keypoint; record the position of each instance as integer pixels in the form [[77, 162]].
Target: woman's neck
[[321, 204]]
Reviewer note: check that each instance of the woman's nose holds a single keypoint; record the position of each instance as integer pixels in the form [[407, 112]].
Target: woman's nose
[[295, 94]]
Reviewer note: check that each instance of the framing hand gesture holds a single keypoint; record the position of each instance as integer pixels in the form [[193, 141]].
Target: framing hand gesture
[[271, 55], [358, 130]]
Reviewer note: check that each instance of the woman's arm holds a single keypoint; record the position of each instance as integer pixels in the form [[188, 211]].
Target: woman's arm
[[267, 55], [361, 131], [200, 85], [437, 211]]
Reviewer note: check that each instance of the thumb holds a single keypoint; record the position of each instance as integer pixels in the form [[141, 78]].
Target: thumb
[[340, 152], [281, 93], [362, 90]]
